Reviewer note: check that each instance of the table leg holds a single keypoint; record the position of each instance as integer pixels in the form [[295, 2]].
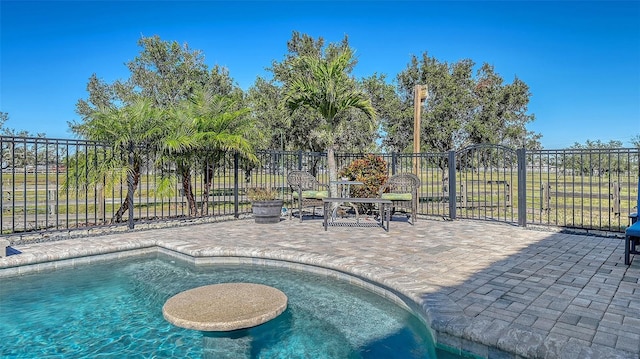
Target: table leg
[[325, 213], [334, 212], [388, 215], [355, 209]]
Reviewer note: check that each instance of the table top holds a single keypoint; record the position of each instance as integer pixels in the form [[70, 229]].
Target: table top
[[356, 200], [346, 182]]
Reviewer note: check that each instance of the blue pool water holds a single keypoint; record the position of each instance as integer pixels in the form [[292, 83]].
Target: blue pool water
[[114, 310]]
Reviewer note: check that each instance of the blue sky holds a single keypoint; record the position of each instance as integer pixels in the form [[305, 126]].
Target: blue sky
[[581, 60]]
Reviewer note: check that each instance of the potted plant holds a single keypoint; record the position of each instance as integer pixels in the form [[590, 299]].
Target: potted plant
[[265, 204]]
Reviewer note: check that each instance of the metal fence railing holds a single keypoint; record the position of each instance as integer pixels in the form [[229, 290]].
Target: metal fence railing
[[584, 189], [62, 184]]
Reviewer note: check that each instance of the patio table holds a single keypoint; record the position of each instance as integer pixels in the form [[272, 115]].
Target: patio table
[[384, 209]]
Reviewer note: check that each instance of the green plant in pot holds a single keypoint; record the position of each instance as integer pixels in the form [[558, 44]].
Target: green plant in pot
[[265, 204]]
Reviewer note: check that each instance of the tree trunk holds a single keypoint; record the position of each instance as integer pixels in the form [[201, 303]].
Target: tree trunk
[[117, 217], [124, 206], [186, 187], [333, 171], [208, 182]]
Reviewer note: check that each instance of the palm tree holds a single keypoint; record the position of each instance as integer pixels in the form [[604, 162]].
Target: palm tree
[[129, 130], [204, 128], [324, 86]]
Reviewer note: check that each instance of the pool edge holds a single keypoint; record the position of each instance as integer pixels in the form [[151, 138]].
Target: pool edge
[[429, 310]]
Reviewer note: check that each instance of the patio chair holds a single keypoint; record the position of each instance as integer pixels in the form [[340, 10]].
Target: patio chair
[[631, 242], [306, 192], [402, 190]]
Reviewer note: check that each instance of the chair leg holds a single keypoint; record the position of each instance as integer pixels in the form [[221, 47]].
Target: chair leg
[[299, 208], [627, 243], [414, 210]]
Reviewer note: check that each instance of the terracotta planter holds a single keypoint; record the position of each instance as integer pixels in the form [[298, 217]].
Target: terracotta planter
[[267, 211]]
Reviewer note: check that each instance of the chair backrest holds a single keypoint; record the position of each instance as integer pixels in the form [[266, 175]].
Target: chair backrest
[[403, 183], [301, 180]]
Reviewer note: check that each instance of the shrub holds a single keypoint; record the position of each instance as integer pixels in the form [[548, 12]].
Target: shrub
[[372, 171], [261, 194]]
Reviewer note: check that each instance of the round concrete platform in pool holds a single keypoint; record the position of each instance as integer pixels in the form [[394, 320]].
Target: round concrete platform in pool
[[225, 307]]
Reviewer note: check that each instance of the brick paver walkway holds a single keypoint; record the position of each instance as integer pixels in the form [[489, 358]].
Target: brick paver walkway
[[494, 290]]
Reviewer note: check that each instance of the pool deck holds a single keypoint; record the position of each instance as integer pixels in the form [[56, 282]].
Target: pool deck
[[494, 290]]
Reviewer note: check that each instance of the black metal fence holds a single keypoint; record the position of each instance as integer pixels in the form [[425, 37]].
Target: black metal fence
[[584, 189], [60, 184]]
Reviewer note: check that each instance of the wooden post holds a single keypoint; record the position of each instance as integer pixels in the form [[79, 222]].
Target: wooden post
[[615, 198], [420, 93], [545, 197]]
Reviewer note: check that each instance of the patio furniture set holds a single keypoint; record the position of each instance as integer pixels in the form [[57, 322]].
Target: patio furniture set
[[400, 192]]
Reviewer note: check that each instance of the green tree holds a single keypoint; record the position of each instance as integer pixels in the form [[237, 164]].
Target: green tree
[[500, 110], [462, 109], [202, 130], [130, 129], [165, 75], [164, 72], [390, 110], [325, 87], [298, 125], [449, 103], [20, 153], [265, 99], [296, 130], [595, 162]]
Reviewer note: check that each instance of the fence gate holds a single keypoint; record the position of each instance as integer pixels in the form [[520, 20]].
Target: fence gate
[[486, 183]]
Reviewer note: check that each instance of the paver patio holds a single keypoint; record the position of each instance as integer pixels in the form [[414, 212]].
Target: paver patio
[[494, 290]]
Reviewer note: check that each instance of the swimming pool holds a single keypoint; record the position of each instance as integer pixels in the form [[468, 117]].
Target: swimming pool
[[114, 309]]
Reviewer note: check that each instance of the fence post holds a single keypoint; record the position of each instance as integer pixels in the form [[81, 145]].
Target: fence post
[[299, 160], [394, 163], [452, 184], [522, 186], [130, 187], [236, 178], [615, 198]]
